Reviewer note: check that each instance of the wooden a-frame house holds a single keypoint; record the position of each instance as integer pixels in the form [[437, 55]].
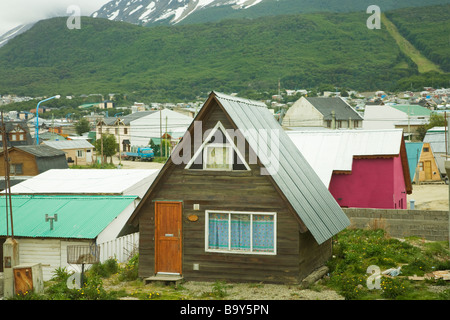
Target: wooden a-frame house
[[236, 201]]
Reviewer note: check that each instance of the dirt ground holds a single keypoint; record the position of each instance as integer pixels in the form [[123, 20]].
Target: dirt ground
[[128, 164], [430, 197]]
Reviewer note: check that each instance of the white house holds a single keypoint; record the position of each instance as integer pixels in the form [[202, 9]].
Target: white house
[[332, 113], [89, 182], [92, 207], [156, 124], [406, 117]]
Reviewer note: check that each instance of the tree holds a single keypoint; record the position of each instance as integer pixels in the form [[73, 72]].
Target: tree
[[109, 146], [436, 120], [82, 126]]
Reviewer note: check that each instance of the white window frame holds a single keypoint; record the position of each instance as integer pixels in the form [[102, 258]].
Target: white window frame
[[230, 143], [80, 151], [218, 145], [251, 213]]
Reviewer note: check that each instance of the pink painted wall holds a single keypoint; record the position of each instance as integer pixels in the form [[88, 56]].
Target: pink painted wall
[[373, 183]]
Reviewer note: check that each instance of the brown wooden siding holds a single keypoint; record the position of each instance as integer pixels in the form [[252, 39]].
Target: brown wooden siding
[[28, 161], [230, 191]]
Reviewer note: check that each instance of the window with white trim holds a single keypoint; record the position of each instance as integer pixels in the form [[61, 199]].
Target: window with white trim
[[218, 152], [240, 232], [218, 157]]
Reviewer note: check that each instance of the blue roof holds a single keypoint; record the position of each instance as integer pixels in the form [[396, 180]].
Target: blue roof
[[413, 151]]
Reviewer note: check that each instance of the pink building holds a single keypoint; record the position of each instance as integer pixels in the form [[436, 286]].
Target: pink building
[[361, 168]]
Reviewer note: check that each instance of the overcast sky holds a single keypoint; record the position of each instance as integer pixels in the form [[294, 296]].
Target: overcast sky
[[16, 12]]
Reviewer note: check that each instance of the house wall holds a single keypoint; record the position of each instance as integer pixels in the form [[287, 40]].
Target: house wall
[[303, 114], [121, 133], [372, 183], [297, 254], [51, 253], [73, 153], [152, 125], [382, 117], [28, 161], [425, 156]]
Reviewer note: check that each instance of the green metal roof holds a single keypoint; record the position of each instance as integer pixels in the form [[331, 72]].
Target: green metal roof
[[81, 217], [412, 109]]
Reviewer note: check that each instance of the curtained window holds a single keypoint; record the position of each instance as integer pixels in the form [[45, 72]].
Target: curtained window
[[218, 157], [241, 232]]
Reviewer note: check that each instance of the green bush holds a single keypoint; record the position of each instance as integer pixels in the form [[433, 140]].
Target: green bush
[[131, 270], [105, 269], [392, 288], [351, 287]]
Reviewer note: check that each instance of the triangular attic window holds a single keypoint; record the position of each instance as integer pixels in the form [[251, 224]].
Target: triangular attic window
[[218, 152]]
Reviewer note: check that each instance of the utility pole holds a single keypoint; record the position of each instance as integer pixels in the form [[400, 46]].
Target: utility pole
[[165, 134], [118, 132], [7, 179], [160, 131], [101, 140], [409, 127], [10, 246]]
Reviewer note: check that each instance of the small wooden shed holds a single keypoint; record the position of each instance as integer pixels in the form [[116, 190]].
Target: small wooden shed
[[30, 160], [422, 162], [236, 201]]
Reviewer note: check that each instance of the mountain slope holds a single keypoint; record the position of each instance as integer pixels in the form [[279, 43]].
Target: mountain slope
[[180, 62], [157, 11], [4, 38], [152, 12], [427, 29]]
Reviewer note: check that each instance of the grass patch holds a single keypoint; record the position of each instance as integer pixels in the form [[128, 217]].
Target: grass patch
[[354, 251]]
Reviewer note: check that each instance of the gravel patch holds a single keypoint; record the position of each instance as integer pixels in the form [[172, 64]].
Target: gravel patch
[[262, 292]]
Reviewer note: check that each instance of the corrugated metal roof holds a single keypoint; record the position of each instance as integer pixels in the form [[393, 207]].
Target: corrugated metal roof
[[302, 187], [436, 138], [332, 150], [41, 150], [412, 109], [88, 181], [81, 217], [69, 144], [128, 118], [325, 105]]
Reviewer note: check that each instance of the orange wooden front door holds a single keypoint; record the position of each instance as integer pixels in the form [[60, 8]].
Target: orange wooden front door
[[168, 237]]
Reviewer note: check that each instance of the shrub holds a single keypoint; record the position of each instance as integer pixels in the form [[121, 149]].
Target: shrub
[[131, 269], [105, 269], [392, 288], [350, 286]]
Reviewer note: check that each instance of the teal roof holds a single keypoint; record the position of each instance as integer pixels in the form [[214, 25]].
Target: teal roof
[[80, 217], [412, 109], [413, 151]]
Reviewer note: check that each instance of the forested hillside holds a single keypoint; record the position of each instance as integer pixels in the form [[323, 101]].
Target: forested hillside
[[182, 62], [428, 29]]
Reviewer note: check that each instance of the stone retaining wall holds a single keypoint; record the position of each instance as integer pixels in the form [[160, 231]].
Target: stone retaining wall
[[430, 225]]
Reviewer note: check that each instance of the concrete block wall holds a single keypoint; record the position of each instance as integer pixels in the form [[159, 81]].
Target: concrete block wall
[[430, 225]]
